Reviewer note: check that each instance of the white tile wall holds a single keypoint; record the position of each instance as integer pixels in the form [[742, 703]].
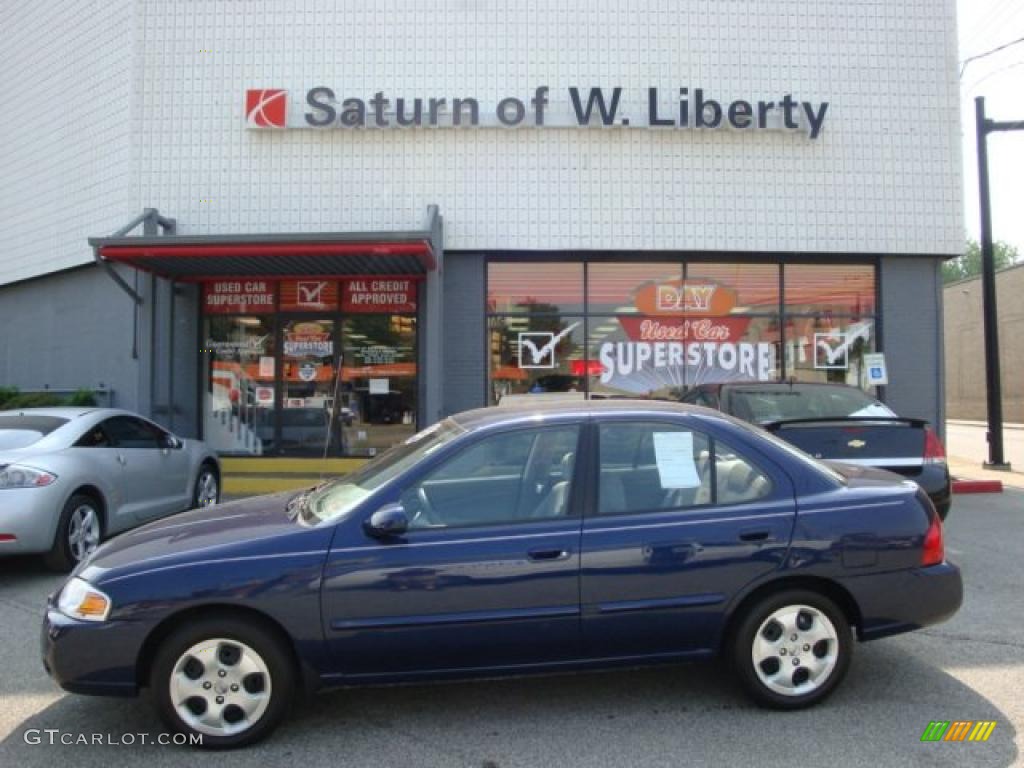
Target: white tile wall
[[884, 176], [65, 133]]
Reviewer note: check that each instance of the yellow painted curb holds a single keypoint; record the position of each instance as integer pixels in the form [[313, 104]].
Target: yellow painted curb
[[241, 485], [278, 466]]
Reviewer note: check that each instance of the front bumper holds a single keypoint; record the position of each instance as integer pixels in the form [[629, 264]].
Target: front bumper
[[96, 658], [891, 603], [30, 515]]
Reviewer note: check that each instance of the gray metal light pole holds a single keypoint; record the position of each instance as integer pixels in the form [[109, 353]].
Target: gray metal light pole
[[993, 381]]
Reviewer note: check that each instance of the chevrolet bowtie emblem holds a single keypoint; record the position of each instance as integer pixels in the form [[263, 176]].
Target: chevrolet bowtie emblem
[[856, 443]]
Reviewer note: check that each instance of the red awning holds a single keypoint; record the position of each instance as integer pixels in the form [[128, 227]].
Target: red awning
[[184, 258]]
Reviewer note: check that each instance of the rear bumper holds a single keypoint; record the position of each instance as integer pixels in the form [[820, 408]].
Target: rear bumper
[[934, 480], [891, 603]]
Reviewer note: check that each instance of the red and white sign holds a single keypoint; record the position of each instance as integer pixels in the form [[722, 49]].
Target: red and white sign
[[685, 329], [309, 296], [239, 297], [266, 107], [384, 294]]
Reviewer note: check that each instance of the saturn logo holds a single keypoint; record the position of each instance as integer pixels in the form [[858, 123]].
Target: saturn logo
[[266, 107], [856, 443]]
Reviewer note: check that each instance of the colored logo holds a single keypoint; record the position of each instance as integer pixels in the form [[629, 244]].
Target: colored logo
[[958, 730], [675, 297], [266, 107], [541, 347]]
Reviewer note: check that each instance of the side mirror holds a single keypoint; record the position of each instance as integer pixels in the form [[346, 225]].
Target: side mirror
[[170, 441], [389, 520]]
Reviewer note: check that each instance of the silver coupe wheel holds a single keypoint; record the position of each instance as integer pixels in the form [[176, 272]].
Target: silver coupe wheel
[[220, 687], [206, 489], [83, 531], [795, 650]]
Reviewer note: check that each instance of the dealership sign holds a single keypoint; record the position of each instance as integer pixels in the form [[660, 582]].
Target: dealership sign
[[388, 294], [685, 107], [225, 297]]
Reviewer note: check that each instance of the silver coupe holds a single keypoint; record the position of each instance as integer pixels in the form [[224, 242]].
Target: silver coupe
[[72, 477]]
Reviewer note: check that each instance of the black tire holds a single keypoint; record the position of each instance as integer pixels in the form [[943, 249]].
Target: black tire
[[62, 556], [205, 469], [743, 647], [270, 649]]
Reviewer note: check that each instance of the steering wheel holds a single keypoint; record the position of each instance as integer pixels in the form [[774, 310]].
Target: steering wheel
[[425, 514]]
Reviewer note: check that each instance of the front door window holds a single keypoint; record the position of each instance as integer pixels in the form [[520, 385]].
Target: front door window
[[308, 388]]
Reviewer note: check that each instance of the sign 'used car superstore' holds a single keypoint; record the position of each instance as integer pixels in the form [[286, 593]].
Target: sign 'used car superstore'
[[578, 107]]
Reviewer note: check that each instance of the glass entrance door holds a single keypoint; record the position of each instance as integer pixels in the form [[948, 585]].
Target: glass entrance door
[[306, 425]]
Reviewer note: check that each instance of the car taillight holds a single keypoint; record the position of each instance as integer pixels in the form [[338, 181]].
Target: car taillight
[[934, 453], [934, 550]]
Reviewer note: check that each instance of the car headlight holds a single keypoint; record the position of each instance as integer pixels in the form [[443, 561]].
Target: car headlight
[[18, 476], [81, 600]]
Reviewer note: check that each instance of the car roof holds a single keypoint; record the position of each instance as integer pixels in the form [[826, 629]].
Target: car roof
[[67, 412], [525, 411], [786, 384]]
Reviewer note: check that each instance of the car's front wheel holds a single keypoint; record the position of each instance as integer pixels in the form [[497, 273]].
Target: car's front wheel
[[792, 649], [79, 532], [226, 682]]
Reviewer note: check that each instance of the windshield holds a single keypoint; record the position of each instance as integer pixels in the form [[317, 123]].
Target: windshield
[[342, 496], [22, 430], [765, 404]]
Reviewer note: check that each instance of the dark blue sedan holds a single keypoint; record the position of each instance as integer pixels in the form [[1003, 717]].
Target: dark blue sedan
[[510, 540]]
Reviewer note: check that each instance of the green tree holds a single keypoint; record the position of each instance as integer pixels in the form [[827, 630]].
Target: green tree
[[969, 264]]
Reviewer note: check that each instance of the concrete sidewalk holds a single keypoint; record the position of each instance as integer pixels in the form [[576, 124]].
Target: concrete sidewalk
[[967, 450]]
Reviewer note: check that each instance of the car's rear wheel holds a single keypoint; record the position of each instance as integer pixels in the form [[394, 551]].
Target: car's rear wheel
[[228, 681], [79, 532], [207, 488], [792, 649]]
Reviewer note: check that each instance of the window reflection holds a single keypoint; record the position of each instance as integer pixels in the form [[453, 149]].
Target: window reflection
[[535, 287]]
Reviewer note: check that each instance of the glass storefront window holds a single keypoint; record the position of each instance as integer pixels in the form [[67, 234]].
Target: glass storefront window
[[842, 289], [307, 388], [238, 400], [755, 287], [378, 382], [656, 329], [613, 287], [535, 287], [328, 369], [828, 348], [531, 354]]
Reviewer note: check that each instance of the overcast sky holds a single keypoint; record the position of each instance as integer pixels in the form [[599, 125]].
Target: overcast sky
[[983, 25]]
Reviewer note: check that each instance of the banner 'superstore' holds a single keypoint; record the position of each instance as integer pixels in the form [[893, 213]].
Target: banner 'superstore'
[[234, 217]]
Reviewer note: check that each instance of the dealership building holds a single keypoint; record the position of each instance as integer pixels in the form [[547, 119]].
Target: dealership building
[[292, 228]]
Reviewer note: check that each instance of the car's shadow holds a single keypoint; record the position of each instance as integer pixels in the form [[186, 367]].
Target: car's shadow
[[689, 715]]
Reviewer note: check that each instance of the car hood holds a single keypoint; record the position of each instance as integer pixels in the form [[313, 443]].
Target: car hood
[[249, 527]]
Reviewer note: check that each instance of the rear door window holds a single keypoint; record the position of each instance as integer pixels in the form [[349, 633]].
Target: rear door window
[[653, 467]]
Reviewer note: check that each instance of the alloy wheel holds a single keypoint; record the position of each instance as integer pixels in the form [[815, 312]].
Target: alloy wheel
[[83, 531], [795, 650], [220, 687]]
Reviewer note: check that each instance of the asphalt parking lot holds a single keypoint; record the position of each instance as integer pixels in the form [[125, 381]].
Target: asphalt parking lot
[[971, 668]]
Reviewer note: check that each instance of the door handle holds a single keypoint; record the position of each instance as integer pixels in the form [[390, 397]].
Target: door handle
[[121, 460], [540, 555], [761, 535]]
